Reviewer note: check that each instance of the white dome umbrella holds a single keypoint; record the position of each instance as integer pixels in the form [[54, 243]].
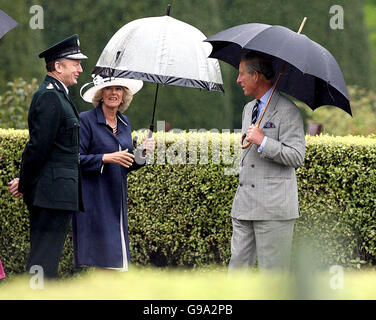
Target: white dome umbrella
[[163, 50]]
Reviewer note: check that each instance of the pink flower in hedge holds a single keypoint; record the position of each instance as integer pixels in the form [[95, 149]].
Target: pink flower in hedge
[[2, 273]]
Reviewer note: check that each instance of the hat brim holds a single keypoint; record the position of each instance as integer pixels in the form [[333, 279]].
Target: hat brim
[[133, 85], [76, 56]]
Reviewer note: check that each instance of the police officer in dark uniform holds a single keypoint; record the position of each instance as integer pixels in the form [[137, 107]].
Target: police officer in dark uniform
[[49, 178]]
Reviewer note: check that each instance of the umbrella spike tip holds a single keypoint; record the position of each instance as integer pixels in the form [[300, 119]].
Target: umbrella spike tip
[[302, 24]]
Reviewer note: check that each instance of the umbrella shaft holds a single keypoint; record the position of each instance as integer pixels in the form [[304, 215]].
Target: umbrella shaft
[[155, 105]]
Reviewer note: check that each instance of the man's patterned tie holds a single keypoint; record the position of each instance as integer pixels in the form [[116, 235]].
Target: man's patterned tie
[[255, 112]]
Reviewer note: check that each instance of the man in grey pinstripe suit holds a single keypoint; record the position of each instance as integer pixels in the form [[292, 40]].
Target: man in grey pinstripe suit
[[266, 202]]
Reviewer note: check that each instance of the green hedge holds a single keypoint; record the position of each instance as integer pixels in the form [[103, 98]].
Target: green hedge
[[179, 205]]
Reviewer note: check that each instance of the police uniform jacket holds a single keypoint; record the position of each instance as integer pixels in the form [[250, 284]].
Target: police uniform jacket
[[49, 175]]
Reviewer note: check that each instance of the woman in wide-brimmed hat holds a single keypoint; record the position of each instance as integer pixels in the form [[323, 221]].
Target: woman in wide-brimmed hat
[[100, 233]]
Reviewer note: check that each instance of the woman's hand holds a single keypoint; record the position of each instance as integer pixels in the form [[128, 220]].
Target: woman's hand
[[13, 188], [148, 145], [124, 158]]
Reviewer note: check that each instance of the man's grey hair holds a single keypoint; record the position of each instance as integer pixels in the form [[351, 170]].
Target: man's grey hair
[[260, 63]]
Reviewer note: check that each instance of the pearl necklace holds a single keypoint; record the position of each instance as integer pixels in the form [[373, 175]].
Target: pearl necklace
[[114, 128]]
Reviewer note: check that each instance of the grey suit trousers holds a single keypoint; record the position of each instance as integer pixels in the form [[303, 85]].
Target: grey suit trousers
[[269, 241]]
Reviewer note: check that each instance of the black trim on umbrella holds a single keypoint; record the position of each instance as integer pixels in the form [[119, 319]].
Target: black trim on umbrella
[[199, 84]]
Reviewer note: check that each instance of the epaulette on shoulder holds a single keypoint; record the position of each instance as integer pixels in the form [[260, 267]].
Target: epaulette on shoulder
[[54, 85]]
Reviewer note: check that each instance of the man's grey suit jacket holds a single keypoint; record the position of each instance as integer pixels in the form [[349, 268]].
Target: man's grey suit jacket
[[267, 187]]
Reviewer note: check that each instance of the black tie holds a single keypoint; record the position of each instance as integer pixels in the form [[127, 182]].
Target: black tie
[[255, 112]]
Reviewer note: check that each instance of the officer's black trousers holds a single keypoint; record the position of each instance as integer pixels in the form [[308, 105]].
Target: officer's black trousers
[[48, 231]]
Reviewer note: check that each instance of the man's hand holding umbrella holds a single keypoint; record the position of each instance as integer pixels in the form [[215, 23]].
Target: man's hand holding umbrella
[[255, 135]]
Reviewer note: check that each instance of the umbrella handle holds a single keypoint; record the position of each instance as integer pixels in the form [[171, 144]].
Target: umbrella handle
[[248, 144]]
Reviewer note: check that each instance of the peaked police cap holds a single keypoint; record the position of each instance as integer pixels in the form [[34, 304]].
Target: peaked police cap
[[68, 48]]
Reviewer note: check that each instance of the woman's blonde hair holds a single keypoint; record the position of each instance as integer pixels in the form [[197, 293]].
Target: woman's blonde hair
[[126, 101]]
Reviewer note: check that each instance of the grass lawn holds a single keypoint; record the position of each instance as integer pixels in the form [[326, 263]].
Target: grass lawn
[[201, 284]]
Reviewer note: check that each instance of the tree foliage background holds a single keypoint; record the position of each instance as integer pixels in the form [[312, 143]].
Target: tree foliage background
[[184, 108]]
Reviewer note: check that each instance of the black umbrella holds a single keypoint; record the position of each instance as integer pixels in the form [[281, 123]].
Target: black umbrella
[[311, 73], [6, 23]]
